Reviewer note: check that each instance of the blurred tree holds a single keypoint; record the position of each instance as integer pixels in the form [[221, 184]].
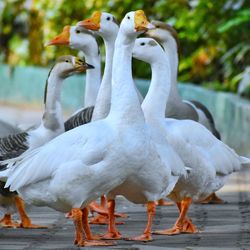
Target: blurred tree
[[214, 35], [35, 37]]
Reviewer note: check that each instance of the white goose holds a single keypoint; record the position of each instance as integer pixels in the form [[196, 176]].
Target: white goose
[[51, 126], [79, 38], [155, 177], [104, 25], [177, 108], [78, 166], [209, 160]]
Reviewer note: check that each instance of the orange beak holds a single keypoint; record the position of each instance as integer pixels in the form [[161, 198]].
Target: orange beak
[[92, 23], [61, 39], [141, 22]]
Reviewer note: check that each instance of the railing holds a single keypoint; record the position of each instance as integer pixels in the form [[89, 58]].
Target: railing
[[231, 113]]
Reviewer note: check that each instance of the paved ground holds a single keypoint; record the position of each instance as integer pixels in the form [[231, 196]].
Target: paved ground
[[223, 227]]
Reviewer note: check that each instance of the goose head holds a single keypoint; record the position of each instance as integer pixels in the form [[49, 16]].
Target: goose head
[[68, 65], [135, 23], [165, 34], [101, 23], [147, 50], [76, 38]]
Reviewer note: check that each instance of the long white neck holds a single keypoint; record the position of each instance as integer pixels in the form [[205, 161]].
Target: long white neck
[[125, 105], [170, 48], [176, 108], [102, 105], [53, 115], [93, 77], [154, 104]]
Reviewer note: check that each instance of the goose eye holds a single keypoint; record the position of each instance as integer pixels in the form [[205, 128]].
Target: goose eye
[[128, 17], [108, 18], [142, 44], [66, 61], [78, 31], [157, 26]]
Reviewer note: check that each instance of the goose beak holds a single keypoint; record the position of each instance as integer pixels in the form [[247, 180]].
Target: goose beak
[[89, 66], [81, 66], [141, 23], [92, 23], [61, 39]]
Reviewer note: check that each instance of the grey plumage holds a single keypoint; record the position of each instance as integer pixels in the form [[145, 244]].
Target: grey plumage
[[209, 117], [13, 145], [80, 118]]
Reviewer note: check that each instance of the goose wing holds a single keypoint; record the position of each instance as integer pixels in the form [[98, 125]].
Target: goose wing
[[13, 145], [81, 117], [194, 138], [41, 163]]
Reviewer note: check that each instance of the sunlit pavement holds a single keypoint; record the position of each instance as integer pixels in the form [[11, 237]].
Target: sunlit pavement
[[224, 226]]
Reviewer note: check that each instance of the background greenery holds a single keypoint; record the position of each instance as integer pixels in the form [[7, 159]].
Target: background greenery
[[214, 34]]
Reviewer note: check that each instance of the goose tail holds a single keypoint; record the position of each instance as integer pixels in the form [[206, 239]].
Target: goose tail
[[245, 161]]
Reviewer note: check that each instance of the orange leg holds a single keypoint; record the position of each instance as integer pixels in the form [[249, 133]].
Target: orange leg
[[188, 226], [89, 236], [25, 220], [103, 201], [6, 221], [183, 224], [112, 233], [77, 216], [146, 236], [212, 199], [164, 203]]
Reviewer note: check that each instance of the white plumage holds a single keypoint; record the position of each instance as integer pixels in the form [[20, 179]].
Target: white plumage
[[209, 161]]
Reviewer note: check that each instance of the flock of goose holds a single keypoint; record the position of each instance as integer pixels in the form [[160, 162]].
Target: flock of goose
[[119, 143]]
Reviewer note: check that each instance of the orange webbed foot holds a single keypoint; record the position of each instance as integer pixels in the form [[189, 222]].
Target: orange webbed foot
[[6, 221], [115, 235], [186, 227], [31, 226], [121, 215], [143, 238], [95, 243], [95, 237], [213, 199], [189, 227], [26, 223], [172, 231]]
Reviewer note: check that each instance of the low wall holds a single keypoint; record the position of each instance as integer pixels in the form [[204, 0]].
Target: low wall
[[231, 113]]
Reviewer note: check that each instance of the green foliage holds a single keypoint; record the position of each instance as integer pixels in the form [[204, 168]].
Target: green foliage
[[214, 35]]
